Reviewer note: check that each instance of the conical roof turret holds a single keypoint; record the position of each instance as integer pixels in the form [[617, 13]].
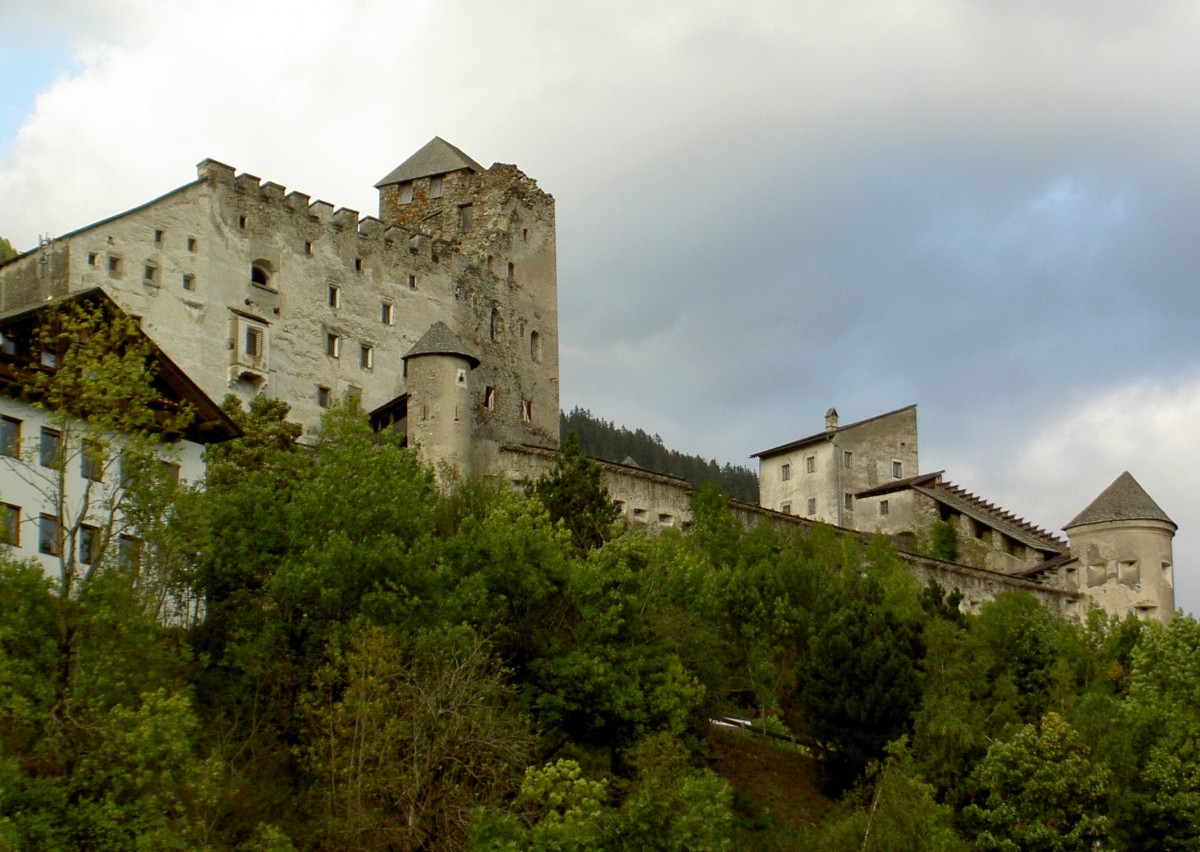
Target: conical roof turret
[[440, 340], [1124, 500]]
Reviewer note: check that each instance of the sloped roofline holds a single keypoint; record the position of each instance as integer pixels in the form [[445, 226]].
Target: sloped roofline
[[824, 434], [1123, 500], [211, 424], [436, 157]]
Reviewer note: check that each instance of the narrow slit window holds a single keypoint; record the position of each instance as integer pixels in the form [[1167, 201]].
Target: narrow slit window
[[333, 345], [335, 296], [387, 313], [366, 356]]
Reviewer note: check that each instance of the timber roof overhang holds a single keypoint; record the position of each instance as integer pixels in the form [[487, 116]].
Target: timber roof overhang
[[18, 364]]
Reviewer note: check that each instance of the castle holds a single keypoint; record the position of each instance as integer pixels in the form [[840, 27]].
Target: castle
[[440, 317]]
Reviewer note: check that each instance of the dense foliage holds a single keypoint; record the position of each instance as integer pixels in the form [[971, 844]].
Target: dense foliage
[[604, 440], [7, 252], [380, 663]]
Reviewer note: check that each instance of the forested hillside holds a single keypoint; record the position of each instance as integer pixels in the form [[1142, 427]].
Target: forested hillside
[[323, 649], [605, 440]]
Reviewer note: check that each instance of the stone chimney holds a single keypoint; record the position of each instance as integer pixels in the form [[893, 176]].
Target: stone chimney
[[831, 420]]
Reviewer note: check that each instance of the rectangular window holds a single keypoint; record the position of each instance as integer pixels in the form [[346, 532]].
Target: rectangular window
[[170, 472], [91, 461], [526, 411], [335, 296], [387, 313], [191, 243], [91, 258], [849, 502], [785, 472], [366, 357], [48, 359], [150, 274], [254, 342], [8, 344], [189, 282], [114, 266], [10, 437], [884, 508], [158, 237], [49, 540], [897, 470], [812, 506], [786, 508], [847, 459], [435, 186], [464, 216], [404, 193], [12, 524], [49, 448], [358, 264], [333, 346], [489, 398], [412, 282], [810, 464], [308, 248], [241, 221], [324, 396], [89, 544], [129, 551]]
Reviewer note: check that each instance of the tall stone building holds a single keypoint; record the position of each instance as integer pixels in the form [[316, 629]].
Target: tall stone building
[[252, 289]]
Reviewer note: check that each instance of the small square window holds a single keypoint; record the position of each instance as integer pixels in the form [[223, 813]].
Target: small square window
[[366, 357], [847, 459], [324, 396], [897, 470], [170, 472], [404, 193], [387, 313], [335, 296], [89, 544], [91, 258], [785, 472], [884, 507], [333, 345], [12, 524], [48, 359], [810, 464], [786, 508], [191, 243], [114, 265], [150, 274], [49, 538], [10, 437], [812, 506], [48, 450], [158, 237], [189, 282]]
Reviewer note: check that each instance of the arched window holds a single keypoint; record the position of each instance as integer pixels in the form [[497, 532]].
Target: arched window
[[497, 325], [260, 273], [535, 346]]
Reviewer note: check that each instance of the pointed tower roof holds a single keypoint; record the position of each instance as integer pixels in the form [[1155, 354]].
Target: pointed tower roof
[[436, 158], [440, 340], [1124, 500]]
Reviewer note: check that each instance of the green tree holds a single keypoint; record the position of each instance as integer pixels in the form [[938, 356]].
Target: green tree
[[7, 252], [574, 493], [1041, 790]]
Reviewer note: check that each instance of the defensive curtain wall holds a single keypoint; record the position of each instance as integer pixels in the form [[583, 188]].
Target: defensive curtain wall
[[655, 501]]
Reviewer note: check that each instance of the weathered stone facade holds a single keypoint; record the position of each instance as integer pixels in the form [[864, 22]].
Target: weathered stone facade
[[255, 290]]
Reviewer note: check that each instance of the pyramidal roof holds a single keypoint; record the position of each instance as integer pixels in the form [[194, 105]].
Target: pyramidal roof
[[440, 340], [436, 158], [1124, 500]]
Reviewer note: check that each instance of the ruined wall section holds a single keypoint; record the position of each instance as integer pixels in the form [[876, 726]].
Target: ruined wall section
[[499, 227]]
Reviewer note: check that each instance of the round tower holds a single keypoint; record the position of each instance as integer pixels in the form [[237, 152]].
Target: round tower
[[440, 416], [1122, 544]]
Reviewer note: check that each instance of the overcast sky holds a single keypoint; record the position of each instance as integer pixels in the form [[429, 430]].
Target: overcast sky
[[764, 208]]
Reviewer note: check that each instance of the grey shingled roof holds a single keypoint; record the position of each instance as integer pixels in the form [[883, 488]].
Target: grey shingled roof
[[1124, 500], [436, 158], [440, 340], [824, 435]]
